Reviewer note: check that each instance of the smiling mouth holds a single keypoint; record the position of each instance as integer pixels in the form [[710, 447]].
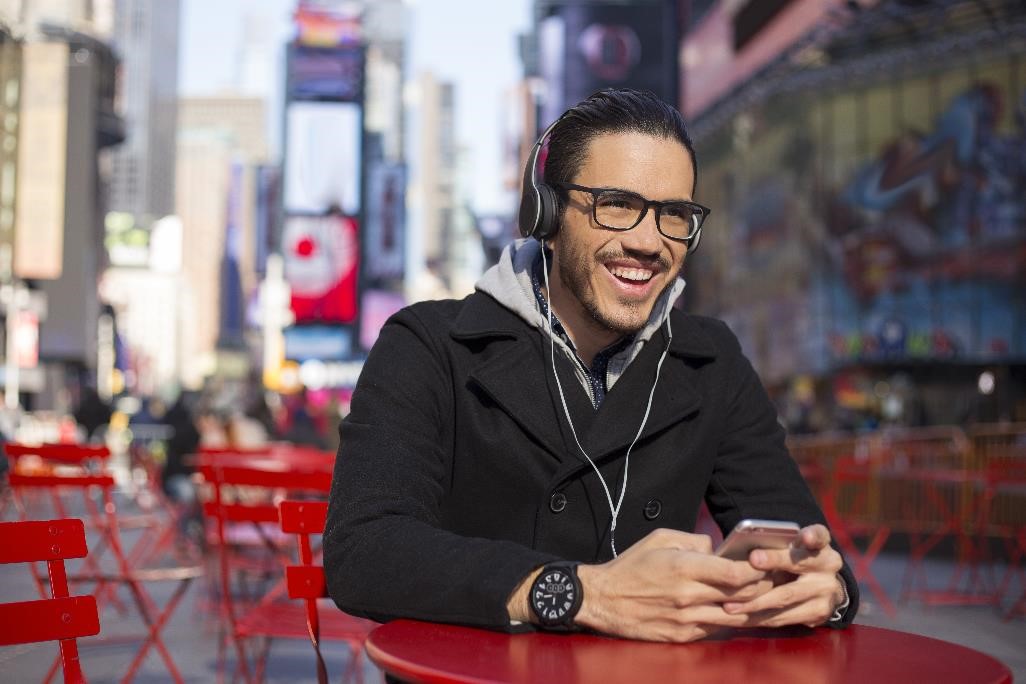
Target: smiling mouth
[[632, 275]]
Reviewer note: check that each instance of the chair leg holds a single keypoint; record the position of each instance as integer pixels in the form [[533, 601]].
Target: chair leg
[[153, 628], [53, 670], [153, 637], [261, 664]]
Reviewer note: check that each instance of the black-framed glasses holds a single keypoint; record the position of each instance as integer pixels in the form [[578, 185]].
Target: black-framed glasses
[[618, 209]]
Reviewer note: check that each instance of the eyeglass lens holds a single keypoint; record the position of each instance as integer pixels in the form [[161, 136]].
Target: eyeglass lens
[[622, 211]]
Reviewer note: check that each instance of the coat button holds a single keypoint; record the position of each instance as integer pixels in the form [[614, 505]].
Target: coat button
[[557, 502], [653, 508]]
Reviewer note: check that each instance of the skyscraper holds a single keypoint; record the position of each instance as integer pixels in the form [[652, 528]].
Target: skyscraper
[[143, 178]]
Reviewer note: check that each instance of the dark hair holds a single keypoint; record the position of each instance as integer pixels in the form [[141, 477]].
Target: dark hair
[[613, 110]]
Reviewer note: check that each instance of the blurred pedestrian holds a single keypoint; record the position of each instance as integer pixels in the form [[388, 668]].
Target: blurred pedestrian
[[176, 478], [302, 428], [92, 413]]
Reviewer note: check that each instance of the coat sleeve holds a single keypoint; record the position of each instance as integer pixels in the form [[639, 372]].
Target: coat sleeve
[[754, 475], [385, 553]]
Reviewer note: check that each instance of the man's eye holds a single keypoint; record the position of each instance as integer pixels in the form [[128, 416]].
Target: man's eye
[[678, 211], [616, 201]]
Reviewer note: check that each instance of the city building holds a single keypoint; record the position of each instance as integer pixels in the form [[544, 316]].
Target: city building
[[143, 167], [209, 173], [867, 242], [67, 65], [432, 192]]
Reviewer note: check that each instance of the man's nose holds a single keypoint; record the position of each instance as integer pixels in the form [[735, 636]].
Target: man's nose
[[645, 236]]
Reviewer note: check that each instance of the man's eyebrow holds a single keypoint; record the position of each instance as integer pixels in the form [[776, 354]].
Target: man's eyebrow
[[635, 192]]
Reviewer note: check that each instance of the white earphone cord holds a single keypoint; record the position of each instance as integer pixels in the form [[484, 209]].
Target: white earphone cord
[[613, 510]]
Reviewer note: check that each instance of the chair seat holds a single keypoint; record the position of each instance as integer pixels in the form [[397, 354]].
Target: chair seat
[[288, 620], [247, 534]]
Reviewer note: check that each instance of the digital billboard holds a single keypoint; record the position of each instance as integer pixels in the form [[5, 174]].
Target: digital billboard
[[322, 256], [609, 45], [329, 74], [322, 165], [384, 225]]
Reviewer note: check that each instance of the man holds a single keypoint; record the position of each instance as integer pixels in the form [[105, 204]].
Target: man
[[538, 452]]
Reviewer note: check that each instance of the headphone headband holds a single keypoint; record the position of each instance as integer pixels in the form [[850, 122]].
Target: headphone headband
[[539, 204]]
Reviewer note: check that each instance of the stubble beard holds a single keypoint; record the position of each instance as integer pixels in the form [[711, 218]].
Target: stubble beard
[[627, 316]]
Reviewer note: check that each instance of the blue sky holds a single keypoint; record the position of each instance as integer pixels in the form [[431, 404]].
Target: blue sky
[[470, 42]]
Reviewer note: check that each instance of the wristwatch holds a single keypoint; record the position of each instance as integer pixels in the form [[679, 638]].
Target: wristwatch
[[556, 596]]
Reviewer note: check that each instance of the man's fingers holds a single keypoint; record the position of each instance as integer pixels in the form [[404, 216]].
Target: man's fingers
[[664, 538], [797, 560], [817, 589], [697, 593], [815, 537], [810, 614], [717, 571]]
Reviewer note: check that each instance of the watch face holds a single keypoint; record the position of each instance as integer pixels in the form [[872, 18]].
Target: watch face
[[553, 595]]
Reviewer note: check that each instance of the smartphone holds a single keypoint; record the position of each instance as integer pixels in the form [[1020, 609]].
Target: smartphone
[[750, 534]]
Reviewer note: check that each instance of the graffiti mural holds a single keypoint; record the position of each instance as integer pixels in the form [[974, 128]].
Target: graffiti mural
[[932, 258], [877, 224]]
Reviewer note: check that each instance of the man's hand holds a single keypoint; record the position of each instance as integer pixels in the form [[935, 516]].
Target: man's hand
[[667, 587], [810, 597]]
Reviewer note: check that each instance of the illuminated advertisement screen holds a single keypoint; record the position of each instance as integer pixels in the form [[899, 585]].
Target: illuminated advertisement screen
[[322, 162], [318, 342], [378, 306], [385, 222], [330, 74], [322, 256], [612, 45]]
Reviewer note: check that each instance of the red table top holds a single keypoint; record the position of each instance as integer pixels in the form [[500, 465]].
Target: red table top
[[431, 652]]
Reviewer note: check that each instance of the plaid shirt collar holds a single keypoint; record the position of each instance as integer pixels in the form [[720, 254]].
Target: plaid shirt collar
[[596, 374]]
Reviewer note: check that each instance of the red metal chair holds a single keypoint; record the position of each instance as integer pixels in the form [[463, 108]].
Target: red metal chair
[[932, 493], [1001, 517], [850, 504], [306, 581], [55, 471], [60, 469], [248, 497], [62, 618]]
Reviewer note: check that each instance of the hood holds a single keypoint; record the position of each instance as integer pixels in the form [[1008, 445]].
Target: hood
[[509, 283]]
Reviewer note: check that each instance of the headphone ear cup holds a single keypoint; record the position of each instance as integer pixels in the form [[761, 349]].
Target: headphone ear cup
[[528, 218], [693, 244], [548, 214]]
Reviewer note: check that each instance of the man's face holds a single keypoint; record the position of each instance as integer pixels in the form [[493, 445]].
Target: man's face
[[606, 282]]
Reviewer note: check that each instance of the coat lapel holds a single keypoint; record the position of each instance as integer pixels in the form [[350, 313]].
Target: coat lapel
[[675, 397], [511, 372], [516, 378]]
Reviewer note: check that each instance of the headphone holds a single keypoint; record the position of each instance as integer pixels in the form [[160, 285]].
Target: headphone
[[539, 203]]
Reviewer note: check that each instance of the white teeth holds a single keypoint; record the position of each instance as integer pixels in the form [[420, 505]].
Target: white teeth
[[637, 274]]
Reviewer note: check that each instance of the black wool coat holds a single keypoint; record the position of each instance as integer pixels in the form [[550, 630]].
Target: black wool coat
[[457, 474]]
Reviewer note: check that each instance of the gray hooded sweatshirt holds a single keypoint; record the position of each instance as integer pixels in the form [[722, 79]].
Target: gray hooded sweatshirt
[[509, 283]]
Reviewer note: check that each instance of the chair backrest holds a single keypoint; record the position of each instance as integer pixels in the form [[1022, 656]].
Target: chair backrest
[[91, 470], [67, 469], [304, 518], [62, 618], [306, 580], [248, 495], [226, 480], [61, 453]]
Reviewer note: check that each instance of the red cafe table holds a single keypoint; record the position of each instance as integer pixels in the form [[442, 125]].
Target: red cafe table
[[431, 652]]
